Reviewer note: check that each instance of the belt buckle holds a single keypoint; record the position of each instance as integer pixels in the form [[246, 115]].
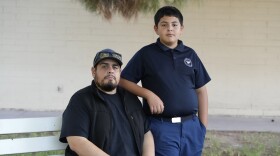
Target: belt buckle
[[176, 120]]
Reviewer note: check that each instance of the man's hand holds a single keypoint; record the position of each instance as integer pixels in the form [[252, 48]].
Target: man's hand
[[155, 103]]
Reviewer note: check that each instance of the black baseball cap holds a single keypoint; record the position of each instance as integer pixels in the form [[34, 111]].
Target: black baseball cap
[[107, 54]]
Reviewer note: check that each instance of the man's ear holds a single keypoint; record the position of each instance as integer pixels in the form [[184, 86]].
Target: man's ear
[[93, 71]]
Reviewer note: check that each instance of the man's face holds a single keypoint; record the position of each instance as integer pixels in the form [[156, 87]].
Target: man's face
[[107, 75]]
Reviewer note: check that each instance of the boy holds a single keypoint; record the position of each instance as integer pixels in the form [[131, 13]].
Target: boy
[[173, 79]]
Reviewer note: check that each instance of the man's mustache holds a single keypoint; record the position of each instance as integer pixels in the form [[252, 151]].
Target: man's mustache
[[108, 76]]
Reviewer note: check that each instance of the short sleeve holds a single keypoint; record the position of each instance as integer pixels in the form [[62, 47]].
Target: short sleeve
[[75, 119], [201, 74], [134, 69]]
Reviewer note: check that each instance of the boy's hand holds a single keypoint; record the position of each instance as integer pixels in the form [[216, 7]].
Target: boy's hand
[[155, 104]]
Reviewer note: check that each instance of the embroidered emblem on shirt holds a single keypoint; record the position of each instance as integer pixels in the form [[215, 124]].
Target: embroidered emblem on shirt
[[188, 62]]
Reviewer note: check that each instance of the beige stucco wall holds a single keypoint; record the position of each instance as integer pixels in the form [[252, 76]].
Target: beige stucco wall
[[47, 48]]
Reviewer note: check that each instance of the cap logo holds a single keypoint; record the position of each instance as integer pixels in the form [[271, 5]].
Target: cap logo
[[188, 62], [103, 55], [117, 56]]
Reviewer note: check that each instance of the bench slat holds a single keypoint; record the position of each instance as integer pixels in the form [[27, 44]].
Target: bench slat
[[33, 144], [25, 145], [27, 125]]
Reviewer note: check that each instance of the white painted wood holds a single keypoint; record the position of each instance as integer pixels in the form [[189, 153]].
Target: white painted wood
[[26, 125], [24, 145], [32, 144]]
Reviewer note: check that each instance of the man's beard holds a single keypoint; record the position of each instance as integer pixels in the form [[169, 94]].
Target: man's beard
[[106, 86]]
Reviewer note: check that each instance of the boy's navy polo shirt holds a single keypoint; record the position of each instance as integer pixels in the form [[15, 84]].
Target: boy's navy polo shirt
[[172, 74]]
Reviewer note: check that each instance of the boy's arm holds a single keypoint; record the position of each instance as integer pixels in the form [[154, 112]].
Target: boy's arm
[[82, 146], [155, 103], [148, 145], [202, 105]]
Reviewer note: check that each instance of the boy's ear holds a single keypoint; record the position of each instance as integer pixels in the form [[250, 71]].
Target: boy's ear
[[156, 29]]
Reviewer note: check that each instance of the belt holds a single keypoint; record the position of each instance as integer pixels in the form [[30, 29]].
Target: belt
[[175, 119]]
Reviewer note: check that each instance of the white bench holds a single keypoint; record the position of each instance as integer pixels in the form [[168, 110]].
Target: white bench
[[30, 144]]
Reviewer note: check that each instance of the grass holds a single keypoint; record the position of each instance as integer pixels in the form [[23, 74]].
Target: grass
[[217, 143], [40, 153]]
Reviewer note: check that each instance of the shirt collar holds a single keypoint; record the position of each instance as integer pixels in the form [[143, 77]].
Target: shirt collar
[[180, 46]]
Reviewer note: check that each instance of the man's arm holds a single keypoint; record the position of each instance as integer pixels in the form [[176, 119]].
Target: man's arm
[[148, 145], [202, 105], [155, 103], [83, 147]]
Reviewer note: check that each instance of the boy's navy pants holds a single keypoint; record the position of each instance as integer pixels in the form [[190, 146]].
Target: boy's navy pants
[[184, 138]]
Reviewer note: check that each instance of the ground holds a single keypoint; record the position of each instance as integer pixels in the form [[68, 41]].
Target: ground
[[227, 143]]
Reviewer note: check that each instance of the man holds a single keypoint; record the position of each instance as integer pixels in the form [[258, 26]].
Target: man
[[104, 119]]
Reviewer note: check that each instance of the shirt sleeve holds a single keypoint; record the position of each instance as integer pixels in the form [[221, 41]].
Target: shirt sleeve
[[147, 125], [134, 69], [75, 119], [201, 74]]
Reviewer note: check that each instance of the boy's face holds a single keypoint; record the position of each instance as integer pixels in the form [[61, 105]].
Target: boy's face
[[169, 30]]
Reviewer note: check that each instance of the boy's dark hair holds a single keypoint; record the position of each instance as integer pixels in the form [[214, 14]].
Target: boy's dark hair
[[168, 11]]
